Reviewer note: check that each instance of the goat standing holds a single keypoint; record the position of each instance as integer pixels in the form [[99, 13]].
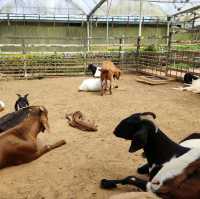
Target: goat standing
[[106, 75]]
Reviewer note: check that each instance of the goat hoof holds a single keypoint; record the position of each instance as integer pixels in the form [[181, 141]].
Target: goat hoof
[[107, 184]]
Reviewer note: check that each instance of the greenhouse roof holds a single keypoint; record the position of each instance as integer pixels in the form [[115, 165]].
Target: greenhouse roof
[[82, 8]]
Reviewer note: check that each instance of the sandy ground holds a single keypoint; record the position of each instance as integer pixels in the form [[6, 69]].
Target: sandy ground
[[75, 170]]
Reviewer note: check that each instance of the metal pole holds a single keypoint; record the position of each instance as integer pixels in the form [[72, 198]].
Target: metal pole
[[140, 28], [107, 25], [168, 28], [88, 35], [140, 24]]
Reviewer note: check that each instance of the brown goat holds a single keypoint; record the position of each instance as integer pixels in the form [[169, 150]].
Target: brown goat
[[108, 72], [109, 65], [184, 186], [106, 75], [19, 144]]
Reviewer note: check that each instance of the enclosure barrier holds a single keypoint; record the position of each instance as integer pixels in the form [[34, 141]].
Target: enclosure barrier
[[174, 64]]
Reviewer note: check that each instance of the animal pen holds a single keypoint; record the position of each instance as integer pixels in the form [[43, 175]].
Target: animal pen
[[36, 44], [53, 39]]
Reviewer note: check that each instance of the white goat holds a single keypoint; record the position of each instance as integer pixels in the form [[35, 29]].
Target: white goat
[[92, 84]]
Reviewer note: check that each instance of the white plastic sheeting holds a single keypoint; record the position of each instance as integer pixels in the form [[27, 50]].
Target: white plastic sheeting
[[77, 7]]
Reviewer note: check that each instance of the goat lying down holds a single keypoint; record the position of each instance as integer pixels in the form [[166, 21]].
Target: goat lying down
[[158, 148], [179, 179], [145, 134], [19, 144], [92, 84], [194, 87], [11, 120]]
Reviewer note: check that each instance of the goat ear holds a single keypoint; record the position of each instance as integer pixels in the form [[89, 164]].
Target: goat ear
[[42, 108], [18, 95], [26, 95], [45, 123], [139, 140]]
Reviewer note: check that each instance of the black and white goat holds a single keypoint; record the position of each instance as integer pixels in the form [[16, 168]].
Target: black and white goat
[[178, 179], [144, 134], [189, 77], [95, 69], [141, 129], [21, 102]]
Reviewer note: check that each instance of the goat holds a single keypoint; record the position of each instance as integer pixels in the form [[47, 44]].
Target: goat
[[11, 120], [144, 133], [2, 105], [188, 77], [21, 102], [179, 178], [109, 65], [95, 69], [19, 144], [90, 85], [106, 75]]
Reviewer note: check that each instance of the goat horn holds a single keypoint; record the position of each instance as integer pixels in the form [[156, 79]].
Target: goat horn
[[149, 113]]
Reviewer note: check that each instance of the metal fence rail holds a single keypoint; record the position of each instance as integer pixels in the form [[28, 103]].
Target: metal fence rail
[[174, 64]]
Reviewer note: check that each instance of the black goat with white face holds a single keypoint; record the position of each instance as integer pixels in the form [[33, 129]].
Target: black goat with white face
[[144, 134], [21, 102], [141, 129]]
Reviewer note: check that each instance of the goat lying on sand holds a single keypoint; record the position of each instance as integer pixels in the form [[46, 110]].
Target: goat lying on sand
[[11, 120], [92, 84], [178, 179], [21, 102], [19, 144], [158, 148]]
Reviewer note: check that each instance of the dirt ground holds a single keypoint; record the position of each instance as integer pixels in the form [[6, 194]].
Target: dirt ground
[[75, 170]]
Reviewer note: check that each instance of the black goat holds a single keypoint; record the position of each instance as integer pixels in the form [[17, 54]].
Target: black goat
[[95, 69], [188, 77], [144, 134], [92, 68], [21, 102]]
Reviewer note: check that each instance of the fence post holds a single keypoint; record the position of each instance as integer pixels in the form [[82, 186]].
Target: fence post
[[168, 53], [24, 58], [121, 52]]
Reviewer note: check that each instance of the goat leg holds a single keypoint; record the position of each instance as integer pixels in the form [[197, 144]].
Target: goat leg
[[48, 148], [144, 169], [131, 180], [56, 145]]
